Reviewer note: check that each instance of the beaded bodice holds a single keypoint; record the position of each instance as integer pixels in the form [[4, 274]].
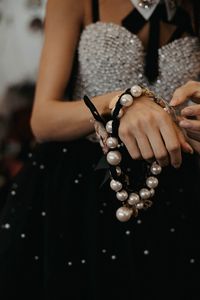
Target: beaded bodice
[[112, 58]]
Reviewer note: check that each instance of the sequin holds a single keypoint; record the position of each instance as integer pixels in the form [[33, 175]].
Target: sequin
[[13, 193], [6, 226], [113, 257], [146, 252], [128, 232], [192, 260]]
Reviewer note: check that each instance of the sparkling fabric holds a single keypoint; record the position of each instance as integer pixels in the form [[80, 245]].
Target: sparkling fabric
[[112, 58]]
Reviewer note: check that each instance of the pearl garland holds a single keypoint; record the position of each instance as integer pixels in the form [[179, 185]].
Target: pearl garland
[[131, 201], [134, 201]]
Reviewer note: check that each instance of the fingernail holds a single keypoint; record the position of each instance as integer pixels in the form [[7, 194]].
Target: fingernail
[[189, 149]]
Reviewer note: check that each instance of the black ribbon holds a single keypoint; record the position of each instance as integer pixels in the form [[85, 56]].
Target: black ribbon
[[134, 22]]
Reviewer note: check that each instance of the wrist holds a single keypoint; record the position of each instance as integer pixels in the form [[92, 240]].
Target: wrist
[[106, 102]]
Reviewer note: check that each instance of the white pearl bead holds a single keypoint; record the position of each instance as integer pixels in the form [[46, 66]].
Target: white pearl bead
[[152, 192], [122, 195], [126, 100], [119, 171], [109, 126], [115, 185], [123, 214], [156, 169], [140, 205], [152, 182], [114, 158], [133, 199], [112, 142], [120, 114], [136, 91], [144, 193]]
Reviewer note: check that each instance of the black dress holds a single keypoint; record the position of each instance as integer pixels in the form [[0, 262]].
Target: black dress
[[60, 239]]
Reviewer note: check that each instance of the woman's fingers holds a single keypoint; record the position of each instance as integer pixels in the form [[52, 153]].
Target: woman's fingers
[[172, 143], [190, 124], [194, 135], [185, 146], [130, 143], [193, 110], [158, 147], [144, 146], [189, 90]]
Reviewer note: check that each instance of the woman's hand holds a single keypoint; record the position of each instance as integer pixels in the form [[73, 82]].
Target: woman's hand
[[149, 132], [190, 120]]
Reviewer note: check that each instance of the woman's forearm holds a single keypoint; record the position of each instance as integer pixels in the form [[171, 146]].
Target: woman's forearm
[[66, 120]]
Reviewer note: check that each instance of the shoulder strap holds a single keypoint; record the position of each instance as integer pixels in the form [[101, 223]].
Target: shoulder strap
[[95, 10]]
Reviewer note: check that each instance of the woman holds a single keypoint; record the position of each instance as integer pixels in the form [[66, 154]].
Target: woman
[[59, 235]]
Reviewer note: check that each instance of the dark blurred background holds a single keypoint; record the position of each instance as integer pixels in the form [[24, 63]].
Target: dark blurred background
[[21, 38]]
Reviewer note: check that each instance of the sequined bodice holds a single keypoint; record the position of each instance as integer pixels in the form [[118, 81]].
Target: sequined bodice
[[112, 58]]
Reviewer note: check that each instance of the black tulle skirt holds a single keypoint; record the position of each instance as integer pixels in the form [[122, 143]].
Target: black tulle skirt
[[60, 239]]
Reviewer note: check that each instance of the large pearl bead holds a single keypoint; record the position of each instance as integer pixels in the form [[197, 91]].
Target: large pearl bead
[[144, 193], [133, 199], [152, 182], [114, 158], [109, 126], [115, 185], [126, 100], [156, 169], [123, 214], [122, 195], [136, 91], [112, 142]]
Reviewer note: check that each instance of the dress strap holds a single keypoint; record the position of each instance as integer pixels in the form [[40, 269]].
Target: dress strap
[[95, 10]]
